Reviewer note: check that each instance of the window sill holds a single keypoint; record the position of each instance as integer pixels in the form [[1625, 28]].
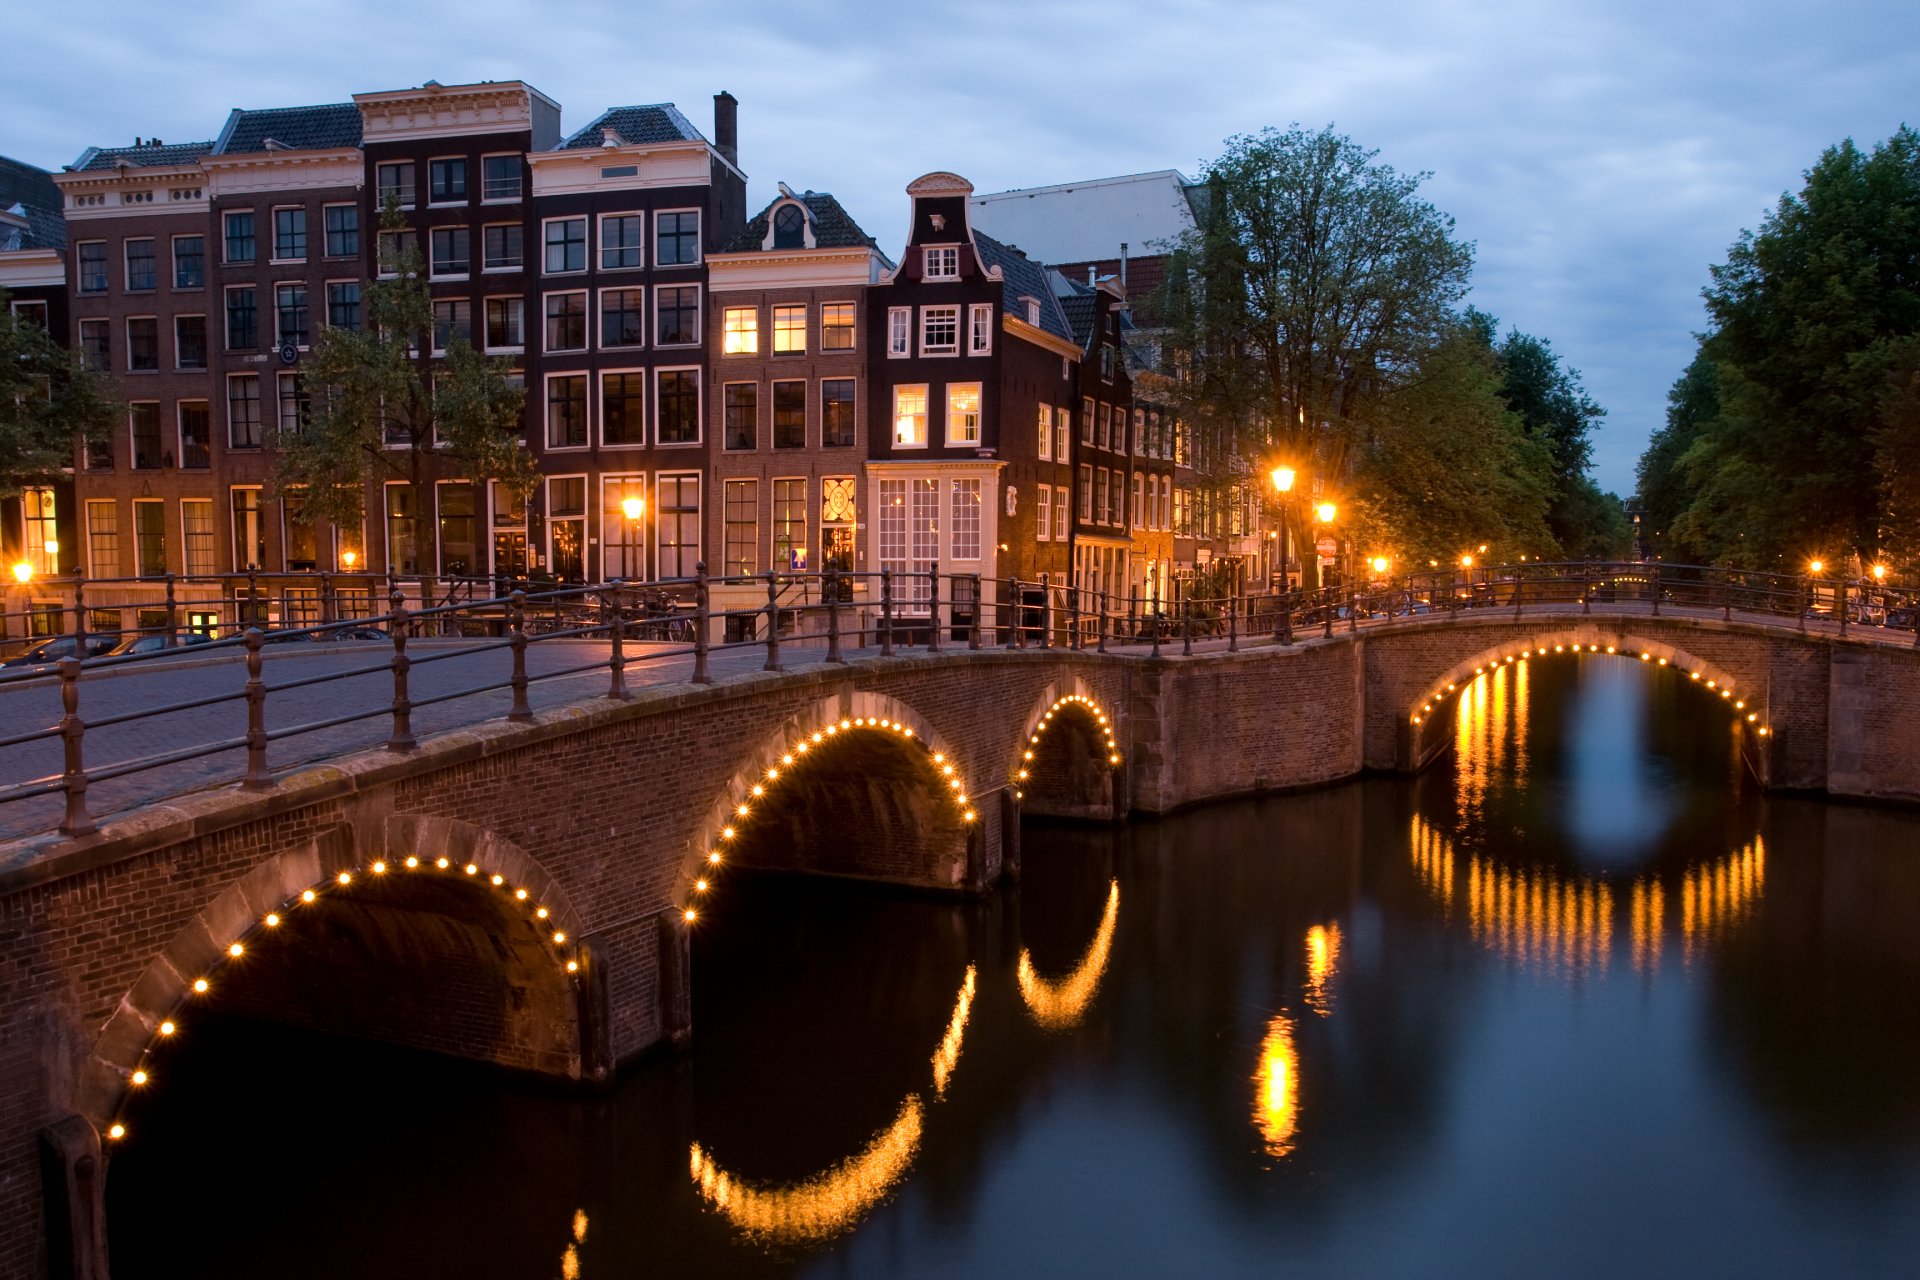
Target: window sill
[[286, 262], [509, 269], [506, 351], [436, 278]]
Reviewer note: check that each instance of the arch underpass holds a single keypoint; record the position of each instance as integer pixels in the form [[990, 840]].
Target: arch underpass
[[1068, 761]]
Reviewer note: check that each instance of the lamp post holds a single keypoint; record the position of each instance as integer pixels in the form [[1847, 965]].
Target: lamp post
[[1324, 513], [634, 509], [1282, 478]]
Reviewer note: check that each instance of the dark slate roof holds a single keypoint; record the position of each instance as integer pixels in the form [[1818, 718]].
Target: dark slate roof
[[1024, 278], [833, 226], [97, 159], [31, 188], [661, 123], [322, 128], [1083, 312]]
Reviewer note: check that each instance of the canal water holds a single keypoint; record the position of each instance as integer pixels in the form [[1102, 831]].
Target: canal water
[[1575, 1002]]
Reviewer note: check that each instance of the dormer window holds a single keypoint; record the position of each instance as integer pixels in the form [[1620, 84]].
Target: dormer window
[[1033, 312], [941, 263], [789, 227]]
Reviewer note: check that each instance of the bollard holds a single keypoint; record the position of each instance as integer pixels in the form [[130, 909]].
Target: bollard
[[773, 623], [617, 660], [933, 607], [886, 613], [833, 615], [73, 779], [257, 777], [1326, 609], [1840, 604], [1353, 611], [702, 614], [517, 624], [401, 739]]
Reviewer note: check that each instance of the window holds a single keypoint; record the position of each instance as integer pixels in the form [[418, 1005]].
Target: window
[[454, 517], [93, 266], [143, 419], [1141, 445], [500, 177], [965, 531], [509, 530], [398, 252], [567, 321], [1086, 420], [299, 545], [289, 235], [677, 406], [623, 537], [789, 227], [403, 537], [452, 252], [189, 342], [342, 222], [243, 410], [1086, 493], [963, 413], [249, 530], [910, 417], [96, 345], [836, 412], [452, 318], [623, 398], [1060, 514], [676, 239], [942, 263], [40, 510], [30, 311], [789, 330], [740, 331], [1033, 318], [150, 537], [980, 329], [679, 524], [103, 538], [923, 496], [447, 180], [243, 319], [1139, 496], [196, 524], [239, 236], [566, 241], [189, 262], [290, 313], [899, 330], [567, 527], [1104, 418], [1046, 432], [839, 509], [836, 326], [502, 246], [141, 272], [621, 236], [394, 181], [506, 323], [1100, 496], [1106, 363], [790, 525], [1043, 513], [343, 304], [1062, 434], [741, 409], [621, 324], [566, 410], [676, 311], [143, 345], [742, 520], [294, 403], [195, 434], [790, 415], [939, 331]]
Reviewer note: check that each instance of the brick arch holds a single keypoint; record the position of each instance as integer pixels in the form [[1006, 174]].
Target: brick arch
[[1082, 785], [786, 748], [332, 862]]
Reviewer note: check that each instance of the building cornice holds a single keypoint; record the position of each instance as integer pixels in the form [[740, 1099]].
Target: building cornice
[[1040, 337], [434, 110], [29, 268], [285, 170], [792, 268]]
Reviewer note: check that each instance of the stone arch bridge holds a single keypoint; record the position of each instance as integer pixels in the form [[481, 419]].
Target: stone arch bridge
[[521, 893]]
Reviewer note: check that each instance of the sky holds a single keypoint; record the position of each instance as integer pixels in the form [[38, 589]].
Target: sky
[[1600, 156]]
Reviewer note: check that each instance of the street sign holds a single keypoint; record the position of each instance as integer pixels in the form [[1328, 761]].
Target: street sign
[[289, 353]]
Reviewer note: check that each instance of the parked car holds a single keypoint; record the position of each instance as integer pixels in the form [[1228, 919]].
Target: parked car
[[50, 651], [158, 644], [354, 633]]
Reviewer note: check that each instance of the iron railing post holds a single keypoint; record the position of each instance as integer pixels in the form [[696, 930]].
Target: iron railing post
[[773, 622], [1840, 603], [517, 638], [1283, 616], [73, 779], [886, 613], [702, 615], [80, 616], [1073, 617], [1101, 622], [1353, 610], [401, 739], [1046, 611], [933, 607], [1586, 589], [1726, 595], [1186, 628], [1806, 602], [617, 659], [1014, 636], [833, 614], [257, 777], [1656, 588], [1326, 611], [1233, 624], [173, 615], [979, 607], [1133, 615]]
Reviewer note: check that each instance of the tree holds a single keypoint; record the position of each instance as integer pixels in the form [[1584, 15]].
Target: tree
[[49, 403], [1316, 283], [1663, 491], [380, 410]]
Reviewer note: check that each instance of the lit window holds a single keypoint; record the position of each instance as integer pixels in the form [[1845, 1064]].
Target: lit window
[[836, 326], [910, 417], [789, 330], [740, 331], [1046, 433], [963, 413], [1043, 514]]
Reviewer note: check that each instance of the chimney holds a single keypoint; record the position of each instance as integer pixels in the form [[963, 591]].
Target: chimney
[[726, 126], [1123, 264]]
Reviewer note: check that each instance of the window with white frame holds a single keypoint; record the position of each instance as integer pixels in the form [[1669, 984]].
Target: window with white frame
[[741, 415], [676, 238], [507, 323], [566, 410], [622, 240], [197, 540], [676, 315], [1060, 509], [452, 254], [1139, 493], [622, 323], [623, 399], [836, 412], [1086, 493], [92, 256], [980, 329], [789, 330], [899, 331], [740, 523], [502, 247], [566, 244], [836, 326], [1033, 318], [1062, 435], [740, 331], [567, 527], [295, 404], [923, 545], [291, 322], [447, 180], [790, 525], [678, 528], [452, 318], [891, 546], [1046, 432], [1043, 514], [103, 538], [290, 234], [941, 262], [189, 262], [623, 527], [566, 321], [1100, 496], [500, 177], [964, 532], [343, 304], [243, 411], [963, 413], [189, 342], [910, 417], [1086, 419], [397, 250], [394, 180], [939, 331], [143, 273], [238, 239], [676, 406]]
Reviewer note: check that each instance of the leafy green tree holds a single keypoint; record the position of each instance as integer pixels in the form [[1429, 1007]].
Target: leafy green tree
[[1316, 283], [381, 410], [1663, 490], [50, 402]]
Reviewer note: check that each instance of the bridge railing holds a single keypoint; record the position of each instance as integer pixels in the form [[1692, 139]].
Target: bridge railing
[[678, 627]]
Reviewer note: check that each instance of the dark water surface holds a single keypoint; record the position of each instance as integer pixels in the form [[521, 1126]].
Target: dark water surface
[[1575, 1002]]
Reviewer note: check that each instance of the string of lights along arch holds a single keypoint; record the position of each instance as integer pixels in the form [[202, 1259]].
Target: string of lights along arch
[[1046, 722], [565, 953], [794, 756], [1720, 684]]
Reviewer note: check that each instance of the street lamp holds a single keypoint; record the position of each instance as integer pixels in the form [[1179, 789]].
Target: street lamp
[[1815, 566], [1880, 573], [1326, 511], [1466, 562], [633, 509], [1380, 566], [1282, 478], [22, 573], [348, 559]]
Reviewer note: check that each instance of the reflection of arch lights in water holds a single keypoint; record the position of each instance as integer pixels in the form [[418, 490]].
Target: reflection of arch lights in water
[[1541, 920], [570, 1260], [1058, 1005], [829, 1203], [1323, 957], [1276, 1098]]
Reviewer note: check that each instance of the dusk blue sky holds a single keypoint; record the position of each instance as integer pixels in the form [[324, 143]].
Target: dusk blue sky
[[1599, 155]]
